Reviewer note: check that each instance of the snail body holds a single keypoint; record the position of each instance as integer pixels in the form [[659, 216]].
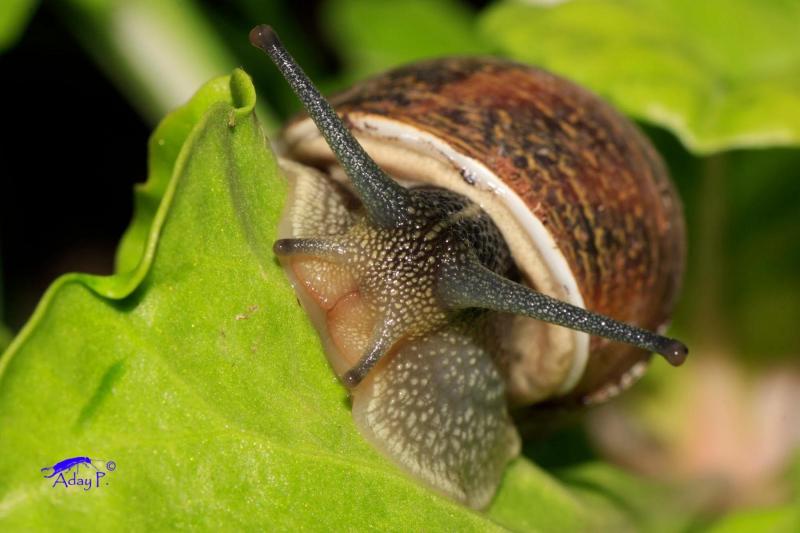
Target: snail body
[[516, 201]]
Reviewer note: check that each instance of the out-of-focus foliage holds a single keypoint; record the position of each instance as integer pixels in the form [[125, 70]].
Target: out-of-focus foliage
[[158, 53], [742, 281], [780, 519], [760, 252], [719, 73], [14, 15], [373, 36], [5, 337]]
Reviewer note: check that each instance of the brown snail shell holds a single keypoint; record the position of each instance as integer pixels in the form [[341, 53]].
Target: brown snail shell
[[613, 226]]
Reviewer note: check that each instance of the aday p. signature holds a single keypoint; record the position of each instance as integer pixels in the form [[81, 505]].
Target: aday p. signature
[[67, 464]]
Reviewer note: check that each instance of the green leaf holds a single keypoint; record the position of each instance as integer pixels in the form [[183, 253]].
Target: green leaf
[[718, 73], [163, 148], [197, 373], [14, 16], [373, 36]]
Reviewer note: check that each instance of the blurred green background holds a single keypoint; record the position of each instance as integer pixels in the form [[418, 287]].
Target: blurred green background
[[716, 85]]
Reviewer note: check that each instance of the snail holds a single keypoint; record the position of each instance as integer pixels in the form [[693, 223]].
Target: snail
[[450, 272]]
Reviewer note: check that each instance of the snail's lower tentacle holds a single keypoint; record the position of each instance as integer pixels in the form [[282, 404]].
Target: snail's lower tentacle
[[380, 346]]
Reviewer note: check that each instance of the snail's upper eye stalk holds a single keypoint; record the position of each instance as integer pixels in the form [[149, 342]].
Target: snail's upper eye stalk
[[469, 284], [383, 198]]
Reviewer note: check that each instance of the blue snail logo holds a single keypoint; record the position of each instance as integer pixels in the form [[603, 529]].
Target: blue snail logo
[[60, 473]]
